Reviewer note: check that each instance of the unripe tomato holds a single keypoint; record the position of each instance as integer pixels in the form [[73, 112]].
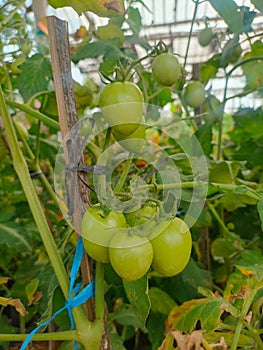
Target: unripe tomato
[[231, 52], [166, 69], [122, 106], [130, 256], [133, 142], [205, 36], [97, 231], [212, 109], [171, 248], [194, 94], [141, 216]]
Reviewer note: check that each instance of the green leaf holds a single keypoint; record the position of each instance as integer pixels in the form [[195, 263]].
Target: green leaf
[[224, 247], [210, 68], [137, 294], [204, 135], [109, 47], [103, 8], [161, 302], [5, 327], [258, 4], [206, 310], [156, 329], [229, 11], [233, 200], [31, 289], [13, 238], [35, 76], [116, 341], [224, 172], [260, 211], [185, 285], [126, 315], [244, 342], [134, 19], [253, 69], [107, 67]]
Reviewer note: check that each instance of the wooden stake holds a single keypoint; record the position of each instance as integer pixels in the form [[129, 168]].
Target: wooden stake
[[61, 67]]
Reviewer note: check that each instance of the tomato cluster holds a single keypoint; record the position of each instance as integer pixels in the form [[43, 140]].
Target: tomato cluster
[[122, 102], [109, 238]]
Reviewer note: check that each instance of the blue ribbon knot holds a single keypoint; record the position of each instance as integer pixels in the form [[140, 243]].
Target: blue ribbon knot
[[75, 298]]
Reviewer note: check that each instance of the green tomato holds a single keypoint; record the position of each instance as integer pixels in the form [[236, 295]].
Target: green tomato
[[231, 52], [122, 106], [166, 69], [171, 248], [98, 230], [133, 142], [141, 216], [194, 94], [212, 109], [205, 36], [130, 256]]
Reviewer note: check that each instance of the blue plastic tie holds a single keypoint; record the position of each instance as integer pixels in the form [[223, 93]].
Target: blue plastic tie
[[78, 299]]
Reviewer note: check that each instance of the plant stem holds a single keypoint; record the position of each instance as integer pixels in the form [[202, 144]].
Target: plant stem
[[254, 334], [34, 113], [191, 31], [90, 334], [33, 201], [247, 302], [68, 335], [99, 290], [218, 218], [123, 175]]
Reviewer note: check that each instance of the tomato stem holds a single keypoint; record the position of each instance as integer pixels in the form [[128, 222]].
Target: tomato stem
[[123, 175], [247, 303], [190, 32], [99, 290]]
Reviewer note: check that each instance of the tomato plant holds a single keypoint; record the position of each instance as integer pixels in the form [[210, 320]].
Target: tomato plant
[[98, 230], [166, 69], [199, 159], [122, 100], [172, 248], [130, 256]]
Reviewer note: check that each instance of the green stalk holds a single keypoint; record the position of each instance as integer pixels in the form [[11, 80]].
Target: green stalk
[[21, 169], [123, 175], [99, 291], [254, 333], [68, 335], [90, 333], [191, 31], [247, 303], [219, 220], [34, 113]]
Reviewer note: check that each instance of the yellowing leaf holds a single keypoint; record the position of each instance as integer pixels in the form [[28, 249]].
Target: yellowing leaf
[[102, 8], [4, 280], [14, 302], [206, 310]]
